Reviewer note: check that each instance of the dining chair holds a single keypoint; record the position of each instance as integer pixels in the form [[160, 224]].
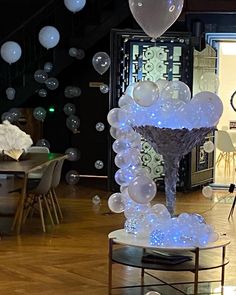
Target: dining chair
[[39, 197], [55, 182], [37, 149], [227, 149]]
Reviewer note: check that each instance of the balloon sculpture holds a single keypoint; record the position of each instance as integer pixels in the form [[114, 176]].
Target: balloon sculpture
[[10, 51], [173, 123], [155, 17]]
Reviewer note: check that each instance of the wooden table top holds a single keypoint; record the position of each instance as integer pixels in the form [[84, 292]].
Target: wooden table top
[[31, 162]]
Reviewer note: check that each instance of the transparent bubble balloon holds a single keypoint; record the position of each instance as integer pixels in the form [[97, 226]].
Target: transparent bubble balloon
[[161, 211], [48, 66], [152, 293], [7, 116], [43, 142], [209, 146], [209, 81], [10, 92], [39, 114], [130, 89], [72, 177], [101, 62], [176, 90], [80, 54], [16, 113], [99, 164], [207, 191], [69, 109], [161, 84], [42, 92], [142, 189], [104, 88], [73, 122], [117, 118], [52, 83], [73, 154], [115, 203], [125, 100], [40, 76], [126, 158], [100, 127], [96, 200], [73, 52], [145, 93], [72, 91]]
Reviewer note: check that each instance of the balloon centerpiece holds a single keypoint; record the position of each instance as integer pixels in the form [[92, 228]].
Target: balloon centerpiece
[[173, 123]]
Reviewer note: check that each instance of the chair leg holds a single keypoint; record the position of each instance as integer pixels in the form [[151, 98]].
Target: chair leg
[[53, 206], [57, 203], [48, 209], [41, 213]]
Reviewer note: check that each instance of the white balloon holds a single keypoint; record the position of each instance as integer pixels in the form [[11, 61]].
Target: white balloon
[[152, 293], [161, 83], [10, 51], [207, 191], [177, 90], [125, 100], [208, 146], [117, 118], [115, 203], [74, 5], [145, 93], [49, 37], [142, 189]]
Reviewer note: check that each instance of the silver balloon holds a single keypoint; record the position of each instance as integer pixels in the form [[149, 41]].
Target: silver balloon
[[104, 88], [42, 92], [43, 142], [40, 76], [72, 91], [73, 52], [48, 66], [69, 109], [73, 122], [16, 113], [7, 116], [99, 164], [52, 83], [100, 126], [39, 113], [101, 62], [72, 177], [80, 54], [10, 92], [73, 154]]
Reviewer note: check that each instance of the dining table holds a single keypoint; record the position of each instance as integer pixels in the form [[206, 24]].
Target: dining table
[[28, 164]]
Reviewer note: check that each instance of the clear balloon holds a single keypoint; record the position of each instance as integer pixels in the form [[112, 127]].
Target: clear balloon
[[48, 66], [52, 83], [73, 52], [125, 100], [209, 81], [161, 84], [73, 154], [101, 62], [69, 109], [43, 142], [176, 90], [117, 117], [40, 76], [10, 52], [152, 293], [39, 114], [80, 54], [207, 191], [115, 203], [209, 146], [155, 17], [7, 116], [104, 88], [96, 200], [73, 122], [100, 127], [10, 92], [145, 93], [72, 177], [16, 113], [130, 89], [72, 91], [49, 37], [42, 92], [99, 164], [142, 189], [161, 211], [74, 5]]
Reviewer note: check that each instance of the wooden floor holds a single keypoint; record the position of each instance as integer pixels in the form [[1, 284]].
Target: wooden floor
[[72, 257]]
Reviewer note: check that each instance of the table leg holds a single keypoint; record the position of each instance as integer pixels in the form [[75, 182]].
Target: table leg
[[110, 266], [20, 207], [196, 271], [223, 270]]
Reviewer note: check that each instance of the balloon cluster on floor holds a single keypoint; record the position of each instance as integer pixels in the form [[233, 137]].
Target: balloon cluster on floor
[[163, 104]]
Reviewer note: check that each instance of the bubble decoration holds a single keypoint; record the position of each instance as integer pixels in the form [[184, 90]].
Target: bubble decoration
[[100, 127], [99, 164]]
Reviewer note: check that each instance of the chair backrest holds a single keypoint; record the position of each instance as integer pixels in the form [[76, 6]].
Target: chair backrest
[[224, 142], [57, 173], [38, 149], [46, 180]]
